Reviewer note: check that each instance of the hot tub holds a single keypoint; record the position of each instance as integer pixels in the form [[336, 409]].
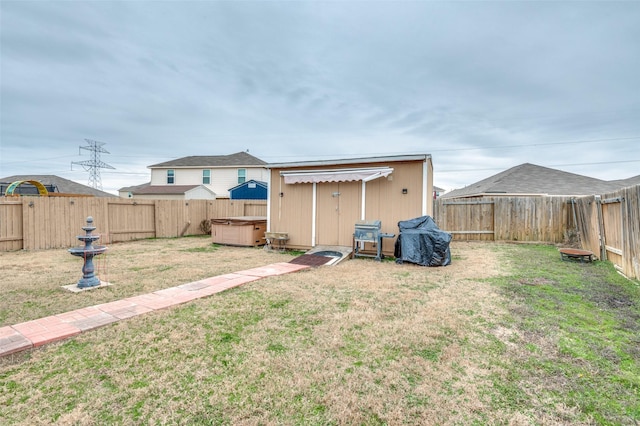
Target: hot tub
[[239, 231]]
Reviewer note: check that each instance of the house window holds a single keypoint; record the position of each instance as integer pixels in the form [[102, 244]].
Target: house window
[[242, 175], [171, 175], [206, 177]]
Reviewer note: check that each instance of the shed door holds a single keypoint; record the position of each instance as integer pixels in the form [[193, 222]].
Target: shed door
[[337, 210]]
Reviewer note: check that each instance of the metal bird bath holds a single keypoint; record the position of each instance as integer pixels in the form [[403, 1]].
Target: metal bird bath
[[87, 253]]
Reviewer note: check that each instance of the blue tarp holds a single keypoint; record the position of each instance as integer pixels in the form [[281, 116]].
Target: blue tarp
[[421, 242]]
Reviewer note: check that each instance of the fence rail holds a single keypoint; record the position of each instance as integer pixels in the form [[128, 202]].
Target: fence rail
[[607, 225], [533, 219], [37, 223]]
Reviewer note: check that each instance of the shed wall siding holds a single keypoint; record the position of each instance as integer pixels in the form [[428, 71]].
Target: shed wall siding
[[385, 201], [292, 212], [243, 192], [199, 193]]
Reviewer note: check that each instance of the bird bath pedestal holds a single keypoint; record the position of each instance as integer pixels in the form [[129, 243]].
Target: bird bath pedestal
[[87, 252]]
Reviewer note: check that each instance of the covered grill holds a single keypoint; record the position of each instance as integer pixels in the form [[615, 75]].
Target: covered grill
[[421, 242], [369, 232]]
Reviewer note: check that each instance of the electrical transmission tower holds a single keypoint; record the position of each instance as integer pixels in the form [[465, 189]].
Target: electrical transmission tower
[[94, 165]]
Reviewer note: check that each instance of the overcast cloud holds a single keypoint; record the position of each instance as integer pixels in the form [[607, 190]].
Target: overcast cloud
[[482, 86]]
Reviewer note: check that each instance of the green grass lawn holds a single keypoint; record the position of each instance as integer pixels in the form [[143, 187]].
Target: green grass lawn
[[529, 339], [577, 340]]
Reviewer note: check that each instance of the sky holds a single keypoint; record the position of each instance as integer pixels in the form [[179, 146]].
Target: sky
[[481, 86]]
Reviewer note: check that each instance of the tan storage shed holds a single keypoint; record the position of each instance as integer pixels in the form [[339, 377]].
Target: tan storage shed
[[319, 202]]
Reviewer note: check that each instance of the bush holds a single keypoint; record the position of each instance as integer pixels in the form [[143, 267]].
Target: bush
[[205, 226]]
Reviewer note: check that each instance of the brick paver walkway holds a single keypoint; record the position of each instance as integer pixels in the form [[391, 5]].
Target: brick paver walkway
[[31, 334]]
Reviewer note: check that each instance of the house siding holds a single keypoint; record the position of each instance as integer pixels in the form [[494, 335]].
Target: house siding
[[221, 178]]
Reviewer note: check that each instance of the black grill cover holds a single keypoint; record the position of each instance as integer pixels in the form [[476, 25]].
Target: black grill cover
[[421, 241]]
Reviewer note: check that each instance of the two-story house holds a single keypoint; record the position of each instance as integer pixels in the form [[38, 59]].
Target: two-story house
[[199, 177]]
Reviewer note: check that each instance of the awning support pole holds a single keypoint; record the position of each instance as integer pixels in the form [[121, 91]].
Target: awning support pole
[[364, 200]]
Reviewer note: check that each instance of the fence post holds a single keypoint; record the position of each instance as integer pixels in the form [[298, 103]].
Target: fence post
[[601, 236], [575, 219]]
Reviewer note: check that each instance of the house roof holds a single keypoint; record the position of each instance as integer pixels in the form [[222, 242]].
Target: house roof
[[65, 186], [635, 180], [344, 161], [148, 189], [134, 188], [239, 159], [532, 179]]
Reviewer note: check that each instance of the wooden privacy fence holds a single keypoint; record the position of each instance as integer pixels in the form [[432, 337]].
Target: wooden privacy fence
[[35, 223], [531, 219], [609, 226]]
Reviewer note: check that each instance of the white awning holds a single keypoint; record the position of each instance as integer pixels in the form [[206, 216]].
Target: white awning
[[336, 175]]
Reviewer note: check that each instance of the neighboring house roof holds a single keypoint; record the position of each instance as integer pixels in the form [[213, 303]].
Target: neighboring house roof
[[134, 188], [531, 179], [65, 186], [635, 180], [257, 182], [239, 159], [147, 189]]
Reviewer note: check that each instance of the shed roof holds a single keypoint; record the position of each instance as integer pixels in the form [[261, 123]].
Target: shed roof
[[239, 159], [257, 182], [532, 179], [351, 161]]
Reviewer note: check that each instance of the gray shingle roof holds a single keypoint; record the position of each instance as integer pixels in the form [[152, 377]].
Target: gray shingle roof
[[623, 183], [135, 187], [532, 179], [64, 186], [239, 159], [164, 189]]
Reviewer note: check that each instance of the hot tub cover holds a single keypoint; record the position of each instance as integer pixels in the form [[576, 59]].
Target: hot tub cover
[[421, 242]]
